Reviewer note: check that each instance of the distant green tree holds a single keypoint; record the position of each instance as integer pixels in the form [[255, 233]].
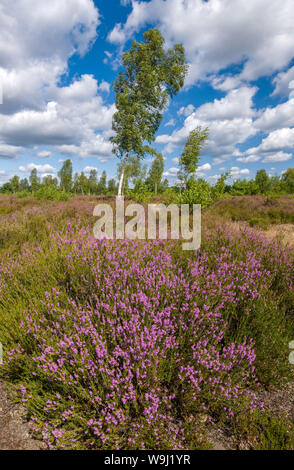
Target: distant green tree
[[252, 188], [24, 185], [275, 184], [93, 182], [112, 187], [242, 187], [164, 184], [189, 159], [218, 189], [65, 175], [288, 180], [151, 75], [133, 172], [6, 188], [262, 180], [15, 184], [80, 184], [102, 185], [155, 173], [34, 180], [49, 180], [76, 184], [83, 184]]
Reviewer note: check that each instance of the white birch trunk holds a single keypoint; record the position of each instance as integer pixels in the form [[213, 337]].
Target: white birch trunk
[[120, 186]]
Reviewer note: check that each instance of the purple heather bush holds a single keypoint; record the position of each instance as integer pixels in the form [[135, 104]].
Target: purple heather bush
[[133, 345]]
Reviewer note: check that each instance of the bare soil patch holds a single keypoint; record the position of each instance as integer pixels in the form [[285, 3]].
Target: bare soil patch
[[14, 428], [284, 231]]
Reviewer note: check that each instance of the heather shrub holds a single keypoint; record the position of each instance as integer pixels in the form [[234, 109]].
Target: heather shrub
[[278, 216], [29, 220], [133, 345], [259, 211], [249, 265], [128, 344]]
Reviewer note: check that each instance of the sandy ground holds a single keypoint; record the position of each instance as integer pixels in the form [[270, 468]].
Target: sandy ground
[[14, 429], [285, 232]]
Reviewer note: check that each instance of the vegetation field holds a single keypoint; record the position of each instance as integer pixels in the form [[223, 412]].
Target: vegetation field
[[140, 345]]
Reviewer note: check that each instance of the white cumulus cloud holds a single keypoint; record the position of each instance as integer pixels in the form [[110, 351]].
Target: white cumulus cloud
[[48, 169], [277, 140], [277, 157], [229, 119], [219, 33], [36, 41], [44, 154]]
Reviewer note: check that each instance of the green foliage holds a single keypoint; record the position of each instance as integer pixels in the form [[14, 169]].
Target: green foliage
[[112, 187], [190, 157], [288, 180], [102, 185], [65, 175], [242, 187], [141, 192], [271, 355], [198, 192], [169, 196], [80, 184], [15, 184], [257, 211], [133, 170], [264, 184], [49, 180], [264, 431], [155, 174], [218, 190], [6, 188], [259, 222], [34, 180], [23, 194], [92, 181], [262, 181], [150, 76], [24, 185], [51, 193]]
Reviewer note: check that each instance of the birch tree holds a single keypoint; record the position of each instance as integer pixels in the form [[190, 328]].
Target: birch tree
[[190, 157], [150, 76]]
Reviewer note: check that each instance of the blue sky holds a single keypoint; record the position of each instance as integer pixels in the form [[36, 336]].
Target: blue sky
[[58, 61]]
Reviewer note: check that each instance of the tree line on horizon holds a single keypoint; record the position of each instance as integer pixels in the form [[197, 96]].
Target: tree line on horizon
[[137, 180]]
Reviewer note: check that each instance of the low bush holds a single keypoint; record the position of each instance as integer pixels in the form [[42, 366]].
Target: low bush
[[197, 192], [169, 196], [140, 193], [259, 222], [262, 431], [50, 193], [23, 194]]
